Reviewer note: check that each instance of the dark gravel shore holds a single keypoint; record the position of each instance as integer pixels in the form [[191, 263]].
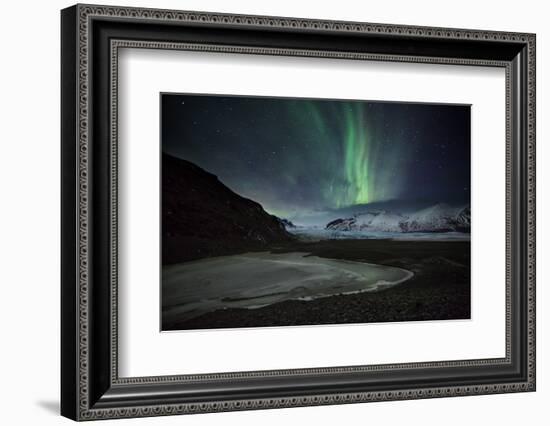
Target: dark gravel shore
[[439, 289]]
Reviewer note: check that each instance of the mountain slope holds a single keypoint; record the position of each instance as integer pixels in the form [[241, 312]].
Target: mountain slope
[[202, 217], [437, 218]]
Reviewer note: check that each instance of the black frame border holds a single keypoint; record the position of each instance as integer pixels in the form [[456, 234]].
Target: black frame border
[[90, 387]]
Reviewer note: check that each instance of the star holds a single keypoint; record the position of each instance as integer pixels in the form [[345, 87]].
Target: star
[[335, 153]]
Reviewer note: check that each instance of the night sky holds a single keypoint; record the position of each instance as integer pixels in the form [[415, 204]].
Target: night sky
[[301, 156]]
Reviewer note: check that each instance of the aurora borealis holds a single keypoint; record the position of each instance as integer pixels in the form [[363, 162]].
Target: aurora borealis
[[297, 157]]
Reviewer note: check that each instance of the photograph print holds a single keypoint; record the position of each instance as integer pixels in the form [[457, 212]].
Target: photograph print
[[293, 211]]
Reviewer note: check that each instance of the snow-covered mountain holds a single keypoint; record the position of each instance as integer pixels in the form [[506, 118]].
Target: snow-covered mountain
[[378, 220], [463, 220], [437, 218]]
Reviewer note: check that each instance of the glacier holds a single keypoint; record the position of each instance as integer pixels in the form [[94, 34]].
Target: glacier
[[436, 222]]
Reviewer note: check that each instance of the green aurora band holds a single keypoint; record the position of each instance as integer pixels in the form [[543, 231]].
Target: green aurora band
[[304, 159], [358, 171]]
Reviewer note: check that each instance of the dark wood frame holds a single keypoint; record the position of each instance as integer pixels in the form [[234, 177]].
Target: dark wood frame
[[91, 37]]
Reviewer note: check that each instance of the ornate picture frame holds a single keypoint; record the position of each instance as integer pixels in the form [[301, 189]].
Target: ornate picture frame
[[91, 37]]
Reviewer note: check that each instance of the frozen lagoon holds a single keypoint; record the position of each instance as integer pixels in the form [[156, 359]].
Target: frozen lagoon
[[253, 280]]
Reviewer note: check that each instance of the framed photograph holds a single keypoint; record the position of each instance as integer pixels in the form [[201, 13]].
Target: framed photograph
[[263, 212]]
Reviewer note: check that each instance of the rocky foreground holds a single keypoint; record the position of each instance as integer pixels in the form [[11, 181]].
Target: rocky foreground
[[439, 290]]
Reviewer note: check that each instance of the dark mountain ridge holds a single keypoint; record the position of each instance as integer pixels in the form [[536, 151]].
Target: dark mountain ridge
[[201, 217]]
